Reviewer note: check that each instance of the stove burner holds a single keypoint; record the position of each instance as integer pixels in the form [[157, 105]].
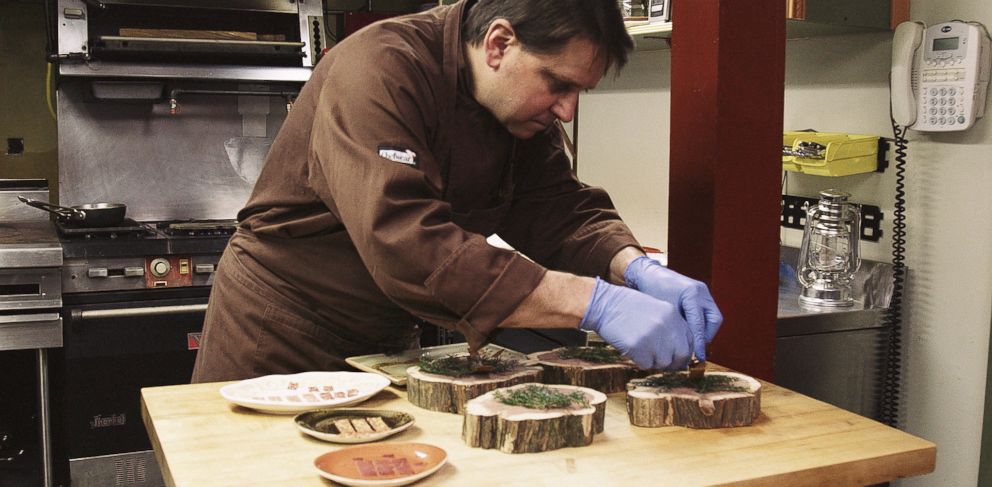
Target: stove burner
[[198, 228], [127, 228]]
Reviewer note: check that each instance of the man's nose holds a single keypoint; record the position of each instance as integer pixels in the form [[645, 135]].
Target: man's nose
[[564, 107]]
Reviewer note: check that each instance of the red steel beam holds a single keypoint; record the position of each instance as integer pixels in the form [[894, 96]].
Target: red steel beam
[[728, 73]]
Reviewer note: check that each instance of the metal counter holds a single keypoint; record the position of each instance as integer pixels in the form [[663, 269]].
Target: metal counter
[[833, 355]]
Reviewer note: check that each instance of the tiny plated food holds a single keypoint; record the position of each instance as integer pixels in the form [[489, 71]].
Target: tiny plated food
[[292, 394], [352, 425], [380, 464], [714, 400], [394, 367], [532, 417]]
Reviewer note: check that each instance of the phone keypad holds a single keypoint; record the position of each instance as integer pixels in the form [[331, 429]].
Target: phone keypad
[[942, 105]]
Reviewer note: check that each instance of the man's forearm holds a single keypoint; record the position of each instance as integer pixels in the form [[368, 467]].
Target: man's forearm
[[559, 301], [619, 264]]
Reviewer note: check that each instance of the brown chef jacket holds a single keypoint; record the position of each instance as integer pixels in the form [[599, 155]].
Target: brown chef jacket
[[373, 207]]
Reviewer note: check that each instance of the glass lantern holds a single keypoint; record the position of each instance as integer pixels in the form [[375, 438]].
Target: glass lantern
[[829, 256]]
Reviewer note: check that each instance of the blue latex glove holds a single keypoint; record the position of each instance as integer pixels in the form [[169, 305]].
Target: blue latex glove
[[649, 331], [692, 298]]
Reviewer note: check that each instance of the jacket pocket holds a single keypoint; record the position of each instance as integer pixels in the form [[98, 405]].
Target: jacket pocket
[[290, 343]]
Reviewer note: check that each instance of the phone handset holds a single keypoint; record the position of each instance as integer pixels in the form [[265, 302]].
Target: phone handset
[[905, 66]]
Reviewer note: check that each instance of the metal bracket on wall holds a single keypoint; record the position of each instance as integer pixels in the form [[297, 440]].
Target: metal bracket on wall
[[794, 216]]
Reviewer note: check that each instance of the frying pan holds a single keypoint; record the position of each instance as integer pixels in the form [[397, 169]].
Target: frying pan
[[91, 215]]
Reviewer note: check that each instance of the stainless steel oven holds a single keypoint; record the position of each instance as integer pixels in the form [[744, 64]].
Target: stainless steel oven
[[30, 330], [262, 40], [134, 301], [167, 106], [115, 344]]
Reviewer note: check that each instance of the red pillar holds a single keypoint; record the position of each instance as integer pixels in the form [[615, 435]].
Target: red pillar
[[728, 72]]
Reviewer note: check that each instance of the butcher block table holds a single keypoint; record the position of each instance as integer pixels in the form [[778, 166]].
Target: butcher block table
[[202, 440]]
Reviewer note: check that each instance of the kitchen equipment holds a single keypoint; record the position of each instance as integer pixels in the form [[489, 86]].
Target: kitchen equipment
[[136, 292], [245, 40], [90, 215], [30, 329], [247, 156], [659, 11], [829, 255], [134, 301]]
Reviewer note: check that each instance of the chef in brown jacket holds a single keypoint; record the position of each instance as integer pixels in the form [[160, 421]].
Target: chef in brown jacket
[[413, 140]]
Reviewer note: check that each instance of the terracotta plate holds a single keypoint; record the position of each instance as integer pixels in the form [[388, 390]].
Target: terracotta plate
[[325, 424], [380, 465]]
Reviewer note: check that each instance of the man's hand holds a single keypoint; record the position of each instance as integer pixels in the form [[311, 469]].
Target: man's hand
[[691, 297], [651, 332]]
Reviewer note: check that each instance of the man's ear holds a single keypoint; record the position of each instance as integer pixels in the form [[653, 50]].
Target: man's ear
[[499, 38]]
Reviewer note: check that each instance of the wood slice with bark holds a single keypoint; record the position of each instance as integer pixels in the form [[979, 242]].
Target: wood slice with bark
[[514, 428], [600, 368], [719, 400], [449, 393]]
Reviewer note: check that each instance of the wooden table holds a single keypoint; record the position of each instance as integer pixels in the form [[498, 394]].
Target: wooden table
[[201, 439]]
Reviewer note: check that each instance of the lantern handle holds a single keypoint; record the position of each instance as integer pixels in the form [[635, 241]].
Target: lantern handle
[[801, 267], [855, 211]]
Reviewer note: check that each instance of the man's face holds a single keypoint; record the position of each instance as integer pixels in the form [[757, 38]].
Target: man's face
[[535, 89]]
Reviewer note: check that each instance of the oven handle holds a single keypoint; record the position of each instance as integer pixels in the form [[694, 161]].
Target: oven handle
[[96, 314], [32, 318]]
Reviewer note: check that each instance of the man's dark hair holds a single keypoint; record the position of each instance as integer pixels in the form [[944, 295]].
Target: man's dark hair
[[545, 26]]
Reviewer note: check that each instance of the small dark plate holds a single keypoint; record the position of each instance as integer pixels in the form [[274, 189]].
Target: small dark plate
[[320, 424]]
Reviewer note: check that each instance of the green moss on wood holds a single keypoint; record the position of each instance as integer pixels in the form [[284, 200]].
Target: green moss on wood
[[460, 365], [601, 355], [676, 380], [541, 397]]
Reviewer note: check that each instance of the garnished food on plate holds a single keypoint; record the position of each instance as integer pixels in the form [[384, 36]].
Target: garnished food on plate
[[602, 367], [528, 418]]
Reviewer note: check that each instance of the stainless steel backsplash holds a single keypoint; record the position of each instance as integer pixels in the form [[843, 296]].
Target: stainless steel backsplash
[[200, 163]]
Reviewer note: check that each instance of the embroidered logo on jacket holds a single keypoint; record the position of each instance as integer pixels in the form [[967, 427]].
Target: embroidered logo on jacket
[[398, 154]]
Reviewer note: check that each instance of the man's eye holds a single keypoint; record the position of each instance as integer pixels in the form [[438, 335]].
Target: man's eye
[[560, 87]]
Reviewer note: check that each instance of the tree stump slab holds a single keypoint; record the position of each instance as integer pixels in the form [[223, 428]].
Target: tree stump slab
[[653, 407], [604, 377], [489, 423], [449, 394]]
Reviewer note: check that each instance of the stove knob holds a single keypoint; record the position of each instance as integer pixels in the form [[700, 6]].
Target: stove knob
[[160, 267]]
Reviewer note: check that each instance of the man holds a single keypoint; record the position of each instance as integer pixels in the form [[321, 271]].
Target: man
[[413, 140]]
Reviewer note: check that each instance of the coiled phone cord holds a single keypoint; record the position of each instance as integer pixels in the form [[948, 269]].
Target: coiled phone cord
[[891, 346]]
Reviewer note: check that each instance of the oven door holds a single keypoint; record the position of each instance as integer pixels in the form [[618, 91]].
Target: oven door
[[26, 456], [113, 349]]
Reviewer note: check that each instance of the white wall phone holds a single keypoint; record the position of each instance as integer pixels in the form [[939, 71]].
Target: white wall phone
[[940, 75]]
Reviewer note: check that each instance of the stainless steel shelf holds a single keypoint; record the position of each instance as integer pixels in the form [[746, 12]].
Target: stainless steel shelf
[[654, 37], [872, 288], [207, 72]]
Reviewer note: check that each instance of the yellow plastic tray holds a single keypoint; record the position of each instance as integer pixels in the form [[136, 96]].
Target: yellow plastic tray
[[844, 154]]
